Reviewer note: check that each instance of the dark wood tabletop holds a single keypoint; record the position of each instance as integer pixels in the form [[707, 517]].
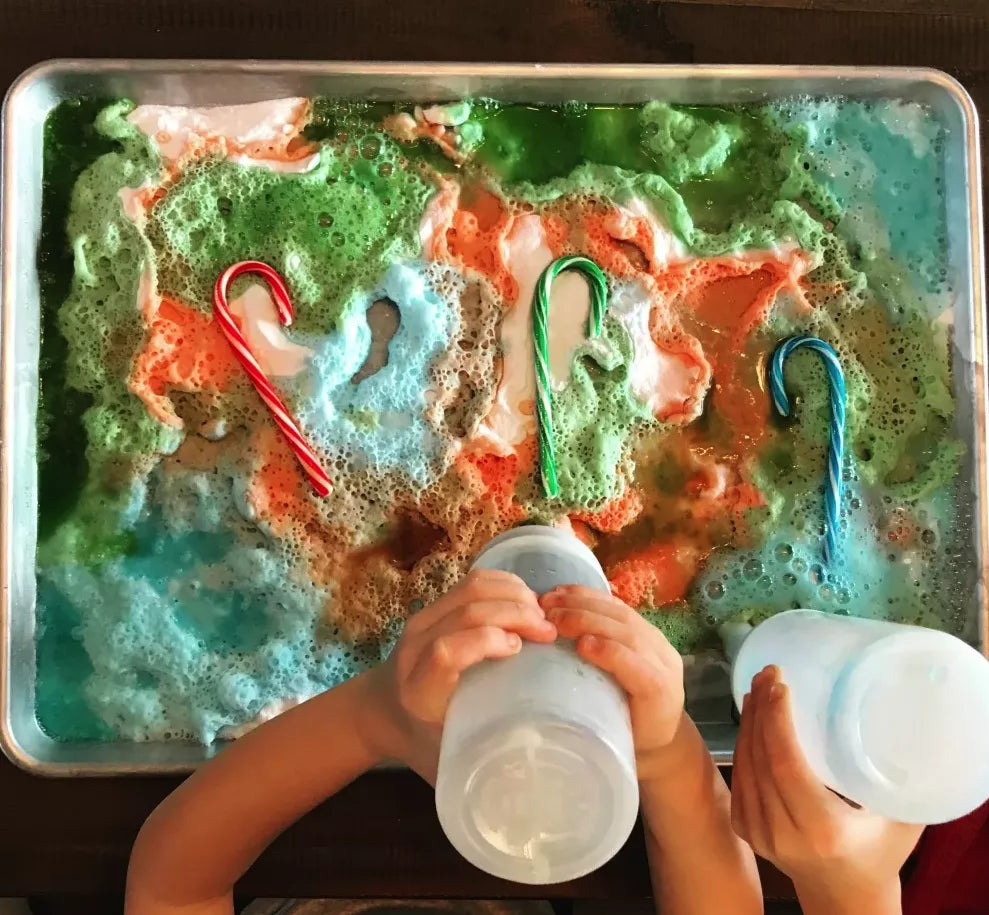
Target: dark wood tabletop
[[380, 837]]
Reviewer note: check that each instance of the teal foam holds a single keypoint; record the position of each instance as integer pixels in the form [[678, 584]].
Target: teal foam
[[381, 422], [191, 633], [881, 160], [876, 578]]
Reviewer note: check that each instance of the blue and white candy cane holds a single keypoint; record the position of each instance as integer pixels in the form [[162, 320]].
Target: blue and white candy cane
[[836, 443]]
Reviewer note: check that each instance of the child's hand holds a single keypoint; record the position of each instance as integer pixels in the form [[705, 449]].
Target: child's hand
[[840, 858], [615, 638], [486, 616]]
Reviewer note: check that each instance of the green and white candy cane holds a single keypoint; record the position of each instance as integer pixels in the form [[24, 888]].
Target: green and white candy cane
[[540, 339]]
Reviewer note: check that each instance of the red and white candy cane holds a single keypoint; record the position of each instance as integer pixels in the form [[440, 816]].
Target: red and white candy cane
[[279, 412]]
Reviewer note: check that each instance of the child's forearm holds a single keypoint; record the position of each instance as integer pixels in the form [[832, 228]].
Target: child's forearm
[[698, 864], [203, 837]]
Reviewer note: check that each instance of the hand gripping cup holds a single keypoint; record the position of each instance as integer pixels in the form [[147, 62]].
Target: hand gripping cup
[[893, 717], [536, 779]]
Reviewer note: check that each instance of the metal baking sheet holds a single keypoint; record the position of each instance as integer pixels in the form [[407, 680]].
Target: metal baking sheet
[[192, 82]]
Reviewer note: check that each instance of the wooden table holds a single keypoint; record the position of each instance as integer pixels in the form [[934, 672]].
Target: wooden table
[[380, 836]]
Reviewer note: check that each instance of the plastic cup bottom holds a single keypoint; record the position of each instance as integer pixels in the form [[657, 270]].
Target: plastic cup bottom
[[546, 801]]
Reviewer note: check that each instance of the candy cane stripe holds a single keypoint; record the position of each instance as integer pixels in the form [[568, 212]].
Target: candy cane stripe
[[836, 432], [540, 340], [304, 454]]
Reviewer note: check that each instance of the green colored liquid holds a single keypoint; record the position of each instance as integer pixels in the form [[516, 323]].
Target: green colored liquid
[[536, 144], [727, 165], [72, 143]]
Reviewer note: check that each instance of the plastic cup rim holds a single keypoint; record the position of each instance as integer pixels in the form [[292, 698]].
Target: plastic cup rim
[[566, 540]]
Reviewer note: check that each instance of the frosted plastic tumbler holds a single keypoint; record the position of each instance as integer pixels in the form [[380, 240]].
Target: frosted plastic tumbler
[[536, 779], [895, 718]]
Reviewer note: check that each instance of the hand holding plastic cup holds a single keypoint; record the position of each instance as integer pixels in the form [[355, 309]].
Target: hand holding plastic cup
[[536, 780], [892, 717]]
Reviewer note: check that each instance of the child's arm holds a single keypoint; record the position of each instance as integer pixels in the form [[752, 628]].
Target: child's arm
[[203, 837], [843, 860], [698, 864]]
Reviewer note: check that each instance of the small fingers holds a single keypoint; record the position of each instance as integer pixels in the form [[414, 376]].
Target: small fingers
[[589, 599], [780, 831], [634, 672], [574, 623], [578, 611], [774, 812], [757, 703], [439, 667], [480, 584], [525, 618]]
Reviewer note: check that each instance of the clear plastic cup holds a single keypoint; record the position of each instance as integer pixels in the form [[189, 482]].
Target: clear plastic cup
[[893, 717], [536, 779]]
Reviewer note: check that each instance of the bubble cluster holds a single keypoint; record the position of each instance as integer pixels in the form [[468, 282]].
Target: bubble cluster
[[330, 231], [199, 628], [597, 420], [685, 145], [881, 162]]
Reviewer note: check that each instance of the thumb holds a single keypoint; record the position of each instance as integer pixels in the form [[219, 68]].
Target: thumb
[[803, 794]]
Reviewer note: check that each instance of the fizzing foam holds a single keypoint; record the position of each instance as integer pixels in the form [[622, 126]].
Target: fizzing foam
[[190, 582]]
